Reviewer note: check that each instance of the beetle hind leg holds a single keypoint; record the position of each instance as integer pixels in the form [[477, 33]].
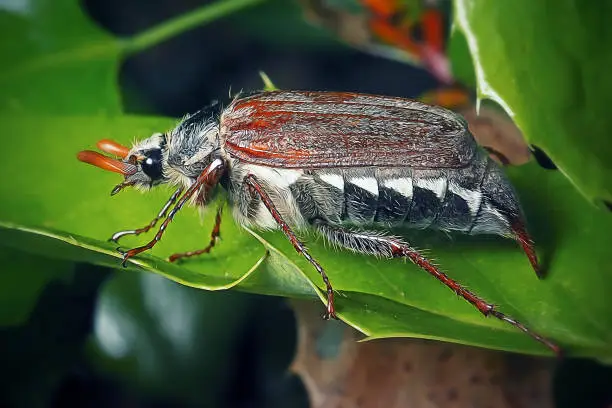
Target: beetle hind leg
[[214, 236], [524, 239], [375, 243]]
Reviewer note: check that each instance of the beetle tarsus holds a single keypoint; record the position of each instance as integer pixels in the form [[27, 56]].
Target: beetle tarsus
[[119, 234], [124, 256], [130, 253], [330, 312], [162, 214], [555, 348]]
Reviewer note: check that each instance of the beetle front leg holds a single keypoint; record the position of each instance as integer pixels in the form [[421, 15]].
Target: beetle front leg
[[251, 181], [162, 214], [374, 243], [214, 236], [207, 179]]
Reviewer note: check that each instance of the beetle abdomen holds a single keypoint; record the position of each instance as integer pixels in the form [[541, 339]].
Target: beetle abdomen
[[475, 199], [446, 199], [391, 197]]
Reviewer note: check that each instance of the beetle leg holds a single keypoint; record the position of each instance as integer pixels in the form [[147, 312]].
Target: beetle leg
[[251, 181], [374, 243], [162, 214], [207, 179], [524, 239], [214, 235]]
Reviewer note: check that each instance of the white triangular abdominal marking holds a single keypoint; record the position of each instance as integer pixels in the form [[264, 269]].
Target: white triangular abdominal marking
[[335, 180], [367, 183], [401, 185], [435, 185], [471, 197], [275, 178]]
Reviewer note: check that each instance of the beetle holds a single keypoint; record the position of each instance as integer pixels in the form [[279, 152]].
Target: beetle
[[349, 166]]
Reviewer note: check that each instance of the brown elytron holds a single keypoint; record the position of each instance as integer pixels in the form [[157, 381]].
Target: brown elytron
[[323, 129]]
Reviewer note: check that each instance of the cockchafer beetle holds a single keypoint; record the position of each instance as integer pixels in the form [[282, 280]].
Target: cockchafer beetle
[[346, 165]]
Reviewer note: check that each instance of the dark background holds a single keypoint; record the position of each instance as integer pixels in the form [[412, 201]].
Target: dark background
[[188, 71]]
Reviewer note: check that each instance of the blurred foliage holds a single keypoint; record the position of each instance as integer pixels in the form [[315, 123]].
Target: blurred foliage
[[410, 31], [60, 95], [17, 300], [36, 357], [56, 67], [147, 326]]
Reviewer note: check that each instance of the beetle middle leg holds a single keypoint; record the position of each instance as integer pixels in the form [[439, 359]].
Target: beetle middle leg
[[251, 181], [214, 236], [374, 243], [162, 214]]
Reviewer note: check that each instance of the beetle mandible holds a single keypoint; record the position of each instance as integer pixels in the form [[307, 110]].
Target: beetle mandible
[[346, 165]]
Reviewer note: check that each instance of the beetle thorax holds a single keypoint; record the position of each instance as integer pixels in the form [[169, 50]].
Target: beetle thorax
[[192, 146]]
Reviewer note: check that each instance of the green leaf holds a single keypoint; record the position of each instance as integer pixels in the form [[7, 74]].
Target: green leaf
[[460, 59], [57, 61], [16, 299], [380, 297], [60, 62], [547, 64]]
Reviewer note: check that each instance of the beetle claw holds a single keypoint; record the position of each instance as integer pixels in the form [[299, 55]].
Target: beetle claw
[[330, 313], [330, 316], [125, 256]]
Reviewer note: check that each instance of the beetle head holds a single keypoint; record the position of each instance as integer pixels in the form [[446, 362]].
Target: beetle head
[[142, 166]]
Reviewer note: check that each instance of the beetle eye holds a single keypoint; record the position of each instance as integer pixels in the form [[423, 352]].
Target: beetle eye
[[152, 164]]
